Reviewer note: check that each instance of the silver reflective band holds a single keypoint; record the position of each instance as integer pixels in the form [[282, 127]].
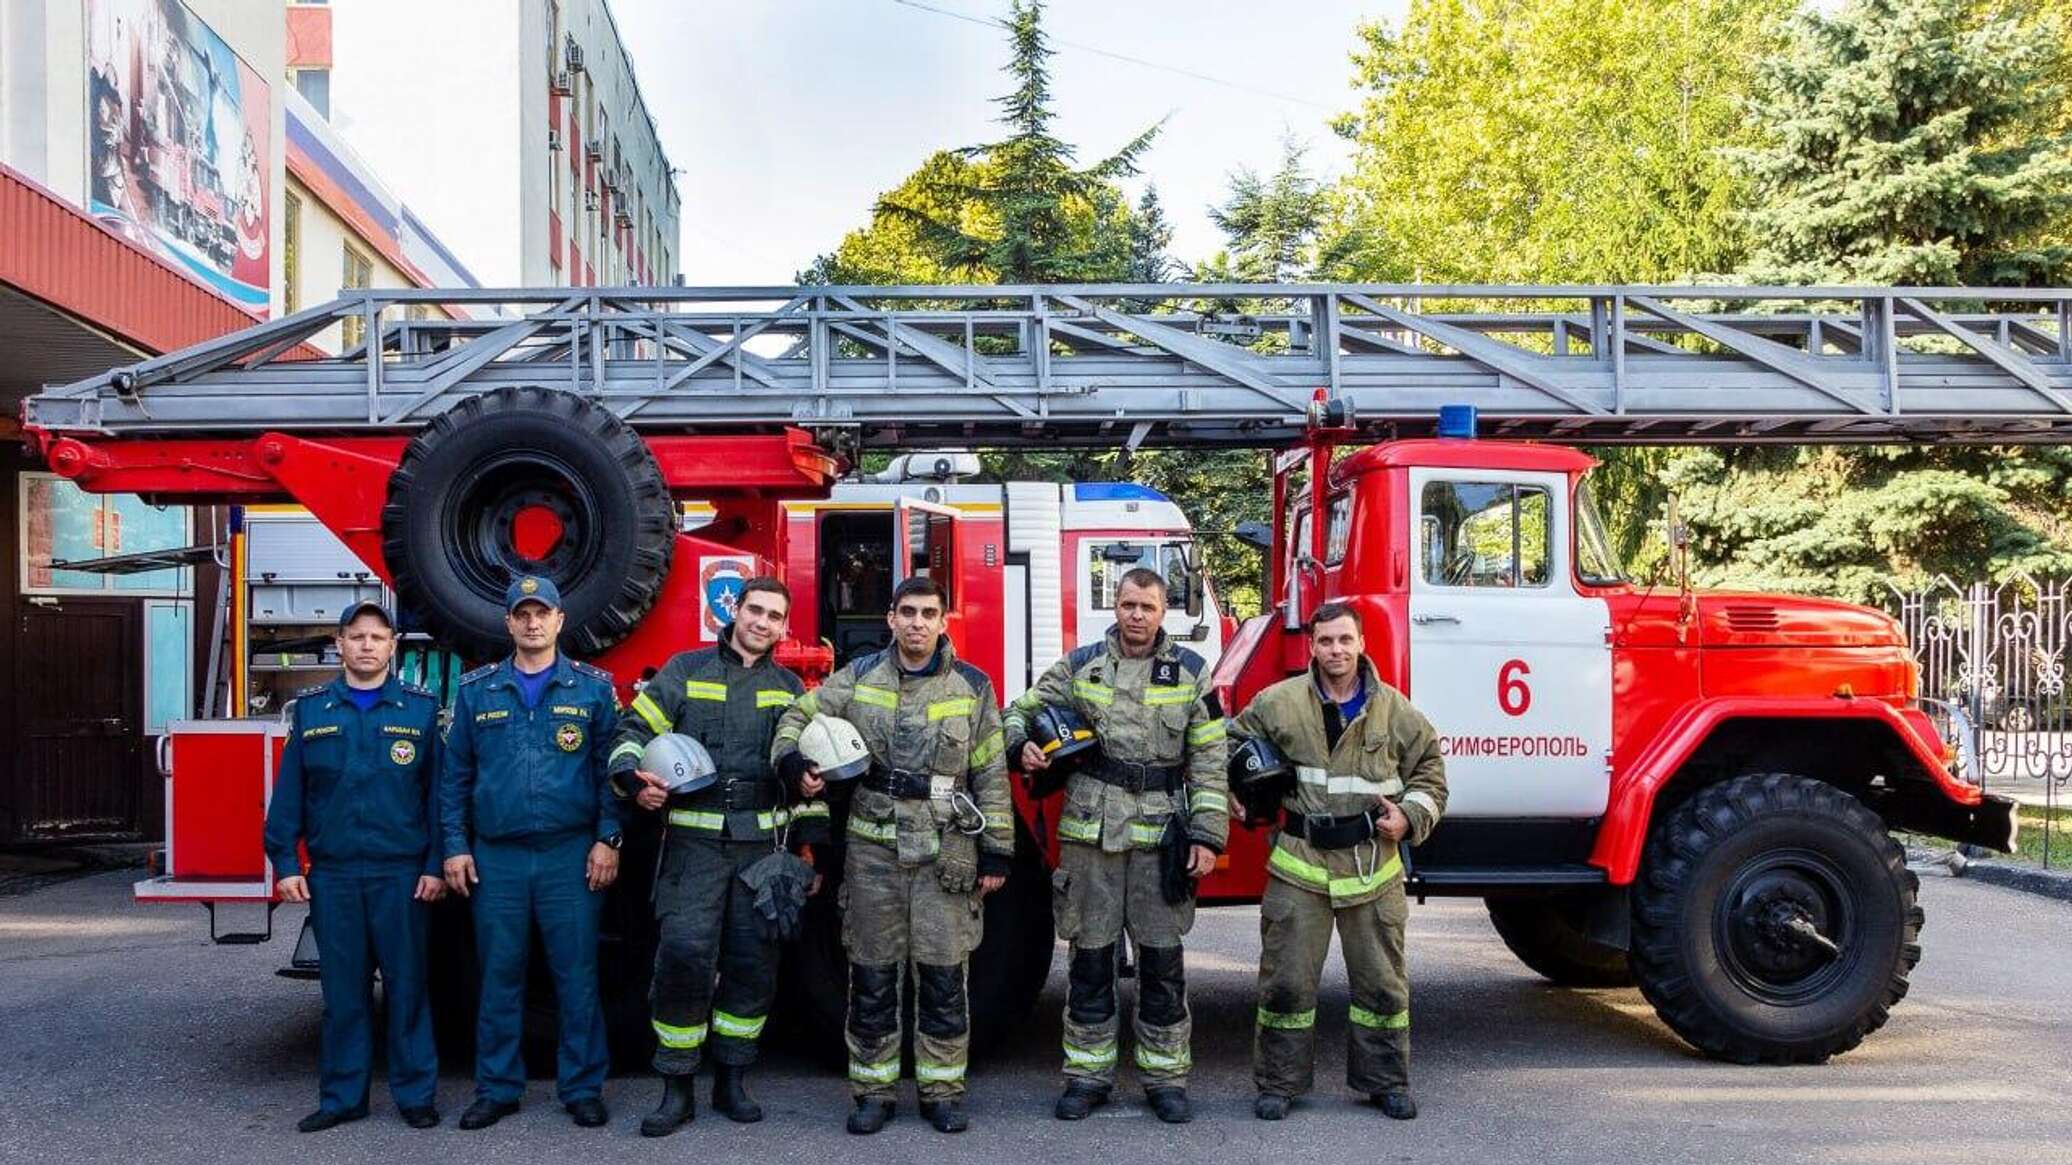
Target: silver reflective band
[[1344, 785]]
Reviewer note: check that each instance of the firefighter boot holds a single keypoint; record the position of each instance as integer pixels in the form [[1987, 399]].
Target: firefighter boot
[[678, 1107], [870, 1115], [1396, 1104], [1080, 1098], [1170, 1105], [947, 1115], [730, 1094], [1271, 1106]]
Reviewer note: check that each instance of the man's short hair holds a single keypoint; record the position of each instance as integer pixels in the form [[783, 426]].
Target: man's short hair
[[920, 586], [1329, 612], [767, 584], [1143, 578]]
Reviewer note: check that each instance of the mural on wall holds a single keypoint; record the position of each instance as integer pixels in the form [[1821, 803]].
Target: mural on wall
[[180, 137]]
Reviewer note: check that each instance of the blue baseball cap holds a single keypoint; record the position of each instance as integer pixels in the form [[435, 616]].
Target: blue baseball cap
[[365, 607], [531, 588]]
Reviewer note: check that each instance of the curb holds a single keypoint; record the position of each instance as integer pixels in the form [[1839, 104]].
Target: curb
[[2028, 879]]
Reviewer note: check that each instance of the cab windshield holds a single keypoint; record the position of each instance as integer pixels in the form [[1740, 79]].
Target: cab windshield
[[1596, 562]]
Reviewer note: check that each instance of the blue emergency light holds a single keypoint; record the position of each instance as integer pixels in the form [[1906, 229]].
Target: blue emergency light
[[1457, 421]]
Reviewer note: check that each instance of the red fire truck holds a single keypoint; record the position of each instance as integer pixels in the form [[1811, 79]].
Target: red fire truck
[[1690, 792]]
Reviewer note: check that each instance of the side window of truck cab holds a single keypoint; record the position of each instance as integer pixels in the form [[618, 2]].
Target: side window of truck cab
[[1485, 534]]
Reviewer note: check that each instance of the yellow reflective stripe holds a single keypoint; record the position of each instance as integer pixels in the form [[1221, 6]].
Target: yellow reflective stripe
[[1207, 801], [993, 745], [651, 713], [704, 690], [1288, 1020], [1078, 829], [1208, 732], [1163, 695], [741, 1027], [883, 1072], [1102, 1056], [1163, 1061], [809, 809], [1349, 887], [886, 832], [1397, 1021], [961, 706], [671, 1036], [808, 703], [1318, 878], [1143, 834], [627, 748], [926, 1073], [773, 698], [698, 819], [1098, 693], [876, 697]]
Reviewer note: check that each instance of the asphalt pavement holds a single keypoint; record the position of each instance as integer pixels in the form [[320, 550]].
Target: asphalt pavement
[[126, 1036]]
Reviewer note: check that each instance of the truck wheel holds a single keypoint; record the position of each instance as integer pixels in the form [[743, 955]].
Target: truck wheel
[[1774, 920], [1543, 931], [528, 481]]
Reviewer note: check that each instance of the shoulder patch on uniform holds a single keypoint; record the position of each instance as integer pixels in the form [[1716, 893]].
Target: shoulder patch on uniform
[[478, 673], [1084, 654], [414, 690], [1191, 660], [310, 691], [594, 672], [975, 676]]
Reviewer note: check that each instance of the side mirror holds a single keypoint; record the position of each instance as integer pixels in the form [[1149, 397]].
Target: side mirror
[[1197, 582], [1257, 535]]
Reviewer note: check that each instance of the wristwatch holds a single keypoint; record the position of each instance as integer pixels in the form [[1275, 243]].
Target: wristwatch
[[616, 840]]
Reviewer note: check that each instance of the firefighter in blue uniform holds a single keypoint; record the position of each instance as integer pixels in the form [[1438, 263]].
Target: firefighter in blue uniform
[[531, 833], [357, 785]]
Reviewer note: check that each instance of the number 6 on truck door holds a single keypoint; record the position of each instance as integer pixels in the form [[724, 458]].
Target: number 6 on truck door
[[1511, 663]]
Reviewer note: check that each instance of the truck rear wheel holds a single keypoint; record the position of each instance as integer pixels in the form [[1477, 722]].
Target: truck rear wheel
[[1774, 920], [528, 481], [1545, 932]]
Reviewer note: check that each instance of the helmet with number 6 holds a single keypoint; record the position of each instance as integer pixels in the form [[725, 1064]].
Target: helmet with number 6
[[681, 762], [834, 747], [1260, 778]]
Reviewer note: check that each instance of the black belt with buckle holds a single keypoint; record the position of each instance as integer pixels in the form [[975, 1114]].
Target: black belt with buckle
[[1141, 778], [739, 796], [904, 784], [1327, 832]]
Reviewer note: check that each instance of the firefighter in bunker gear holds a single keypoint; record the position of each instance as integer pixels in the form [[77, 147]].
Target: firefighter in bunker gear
[[358, 785], [1369, 778], [715, 968], [930, 833], [1162, 755], [532, 835]]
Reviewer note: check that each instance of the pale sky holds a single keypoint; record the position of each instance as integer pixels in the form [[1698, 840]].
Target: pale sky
[[788, 117]]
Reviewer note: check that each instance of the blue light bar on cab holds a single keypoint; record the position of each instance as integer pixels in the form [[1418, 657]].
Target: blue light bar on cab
[[1457, 421]]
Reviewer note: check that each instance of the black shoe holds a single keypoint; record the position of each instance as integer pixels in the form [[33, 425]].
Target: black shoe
[[730, 1094], [1396, 1104], [1169, 1105], [484, 1113], [327, 1118], [421, 1117], [946, 1115], [678, 1107], [1270, 1107], [589, 1113], [1080, 1098], [870, 1116]]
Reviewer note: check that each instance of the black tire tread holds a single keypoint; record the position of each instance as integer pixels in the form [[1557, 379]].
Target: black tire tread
[[1675, 848]]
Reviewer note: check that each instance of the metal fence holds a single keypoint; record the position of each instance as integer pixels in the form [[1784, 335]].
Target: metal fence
[[1995, 656]]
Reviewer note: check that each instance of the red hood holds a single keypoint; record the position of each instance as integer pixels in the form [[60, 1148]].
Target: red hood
[[1733, 619]]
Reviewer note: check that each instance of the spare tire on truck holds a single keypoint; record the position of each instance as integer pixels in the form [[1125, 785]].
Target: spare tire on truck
[[528, 480]]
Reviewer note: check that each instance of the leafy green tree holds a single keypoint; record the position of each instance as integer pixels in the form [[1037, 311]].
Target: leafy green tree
[[1910, 142], [1903, 141]]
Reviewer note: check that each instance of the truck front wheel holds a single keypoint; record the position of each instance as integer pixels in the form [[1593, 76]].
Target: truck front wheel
[[1774, 920]]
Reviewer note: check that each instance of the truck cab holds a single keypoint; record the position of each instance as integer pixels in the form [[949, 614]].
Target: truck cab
[[1630, 767]]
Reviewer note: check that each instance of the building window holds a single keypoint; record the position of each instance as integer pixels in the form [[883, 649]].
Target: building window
[[291, 255], [315, 87], [61, 522], [358, 275]]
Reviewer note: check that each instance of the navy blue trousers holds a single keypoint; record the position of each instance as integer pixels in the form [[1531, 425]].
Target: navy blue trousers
[[366, 918], [537, 883]]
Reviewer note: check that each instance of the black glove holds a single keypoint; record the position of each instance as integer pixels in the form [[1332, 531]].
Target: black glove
[[791, 769], [992, 865]]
